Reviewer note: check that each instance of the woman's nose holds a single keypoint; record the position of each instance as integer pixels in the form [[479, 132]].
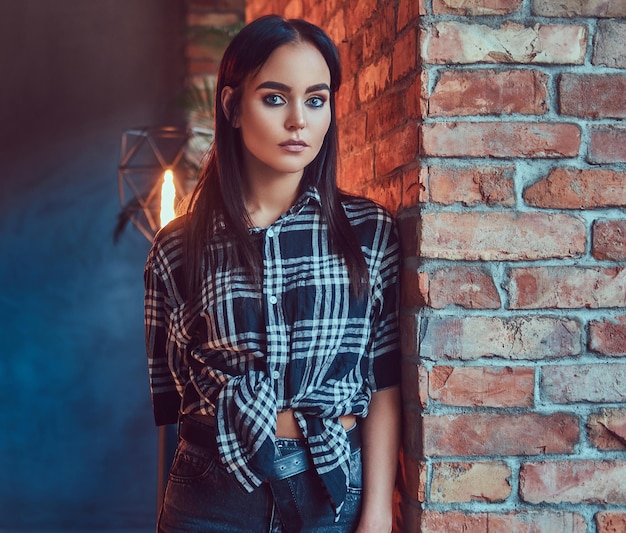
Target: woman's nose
[[296, 119]]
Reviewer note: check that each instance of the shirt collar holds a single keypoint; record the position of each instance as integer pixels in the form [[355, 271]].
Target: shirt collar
[[309, 195]]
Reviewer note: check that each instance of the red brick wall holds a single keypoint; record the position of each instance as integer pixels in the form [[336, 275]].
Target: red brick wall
[[493, 128]]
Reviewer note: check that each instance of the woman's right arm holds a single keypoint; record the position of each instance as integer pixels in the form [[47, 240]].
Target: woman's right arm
[[165, 396], [381, 443]]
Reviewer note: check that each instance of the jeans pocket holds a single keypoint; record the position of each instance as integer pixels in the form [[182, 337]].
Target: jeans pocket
[[191, 464], [355, 481]]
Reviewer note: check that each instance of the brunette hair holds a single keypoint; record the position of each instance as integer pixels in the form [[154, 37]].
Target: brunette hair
[[219, 191]]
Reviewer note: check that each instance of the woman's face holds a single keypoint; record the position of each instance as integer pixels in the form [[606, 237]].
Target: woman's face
[[284, 113]]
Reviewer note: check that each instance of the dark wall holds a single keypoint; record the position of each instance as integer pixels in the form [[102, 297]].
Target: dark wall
[[77, 440]]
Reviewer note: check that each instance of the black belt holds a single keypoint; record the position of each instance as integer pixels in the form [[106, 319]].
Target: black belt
[[200, 434]]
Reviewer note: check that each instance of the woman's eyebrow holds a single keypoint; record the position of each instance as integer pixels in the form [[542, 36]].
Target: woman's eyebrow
[[286, 89]]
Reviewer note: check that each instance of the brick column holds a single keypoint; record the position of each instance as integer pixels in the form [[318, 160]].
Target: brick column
[[516, 264]]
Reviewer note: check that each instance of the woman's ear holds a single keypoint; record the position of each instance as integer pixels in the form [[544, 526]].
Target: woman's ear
[[226, 100]]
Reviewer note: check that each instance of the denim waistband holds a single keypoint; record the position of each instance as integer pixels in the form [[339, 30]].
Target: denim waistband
[[292, 456]]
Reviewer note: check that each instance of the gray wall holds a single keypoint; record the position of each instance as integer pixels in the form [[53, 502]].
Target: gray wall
[[77, 441]]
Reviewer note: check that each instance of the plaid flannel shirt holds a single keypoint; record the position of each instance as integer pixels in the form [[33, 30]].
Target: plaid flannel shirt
[[302, 341]]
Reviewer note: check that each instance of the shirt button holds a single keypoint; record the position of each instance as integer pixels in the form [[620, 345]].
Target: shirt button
[[276, 374], [273, 300], [270, 233]]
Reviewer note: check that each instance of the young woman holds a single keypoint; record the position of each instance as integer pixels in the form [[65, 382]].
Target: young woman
[[271, 311]]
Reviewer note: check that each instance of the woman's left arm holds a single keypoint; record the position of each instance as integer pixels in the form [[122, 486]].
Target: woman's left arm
[[380, 432]]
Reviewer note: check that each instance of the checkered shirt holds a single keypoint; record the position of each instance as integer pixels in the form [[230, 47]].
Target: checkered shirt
[[240, 352]]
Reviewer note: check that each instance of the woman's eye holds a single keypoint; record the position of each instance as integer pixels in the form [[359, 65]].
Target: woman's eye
[[316, 101], [274, 99]]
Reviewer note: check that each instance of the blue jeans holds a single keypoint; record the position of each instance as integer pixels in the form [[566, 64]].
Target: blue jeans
[[201, 497]]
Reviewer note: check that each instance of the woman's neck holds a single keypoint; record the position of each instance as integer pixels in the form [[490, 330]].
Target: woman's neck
[[267, 199]]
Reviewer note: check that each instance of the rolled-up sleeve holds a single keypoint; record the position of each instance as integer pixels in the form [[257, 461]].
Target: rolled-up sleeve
[[157, 310], [384, 370]]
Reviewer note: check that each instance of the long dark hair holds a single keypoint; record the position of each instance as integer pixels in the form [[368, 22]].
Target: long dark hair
[[219, 192]]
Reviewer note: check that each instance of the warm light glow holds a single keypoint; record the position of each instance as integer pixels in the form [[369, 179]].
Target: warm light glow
[[168, 197]]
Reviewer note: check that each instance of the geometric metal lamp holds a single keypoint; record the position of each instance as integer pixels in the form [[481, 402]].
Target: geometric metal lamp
[[156, 162]]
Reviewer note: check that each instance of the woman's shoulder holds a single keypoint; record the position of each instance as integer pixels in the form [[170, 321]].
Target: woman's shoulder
[[361, 210], [167, 245]]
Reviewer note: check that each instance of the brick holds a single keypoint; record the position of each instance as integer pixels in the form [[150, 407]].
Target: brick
[[414, 288], [609, 239], [360, 12], [609, 47], [608, 337], [611, 522], [388, 113], [597, 383], [387, 192], [608, 145], [470, 186], [599, 482], [416, 95], [351, 56], [572, 188], [396, 149], [593, 95], [489, 92], [347, 98], [500, 139], [380, 41], [408, 13], [468, 287], [352, 128], [473, 337], [607, 429], [579, 8], [412, 192], [476, 7], [404, 56], [316, 13], [374, 79], [336, 27], [294, 9], [499, 434], [565, 287], [356, 167], [517, 522], [482, 386], [466, 482], [455, 42], [500, 236]]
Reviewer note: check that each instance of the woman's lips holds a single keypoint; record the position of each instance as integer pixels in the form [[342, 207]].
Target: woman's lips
[[294, 146]]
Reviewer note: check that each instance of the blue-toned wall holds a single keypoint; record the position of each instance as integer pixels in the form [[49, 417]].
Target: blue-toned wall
[[77, 440]]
